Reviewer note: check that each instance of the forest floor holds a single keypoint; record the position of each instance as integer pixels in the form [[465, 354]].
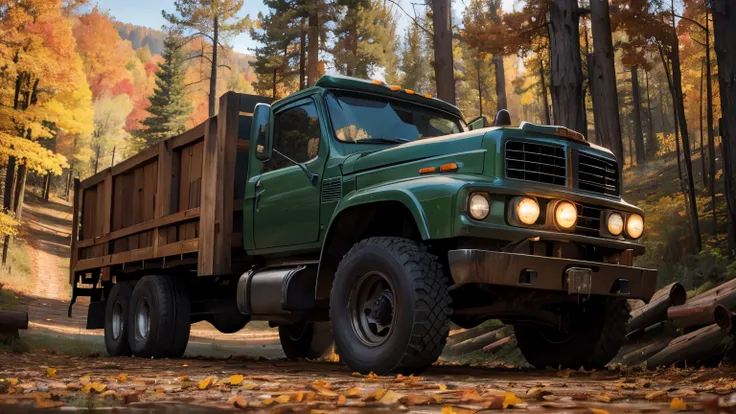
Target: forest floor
[[64, 366]]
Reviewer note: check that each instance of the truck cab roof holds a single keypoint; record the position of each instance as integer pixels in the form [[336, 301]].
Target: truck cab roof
[[375, 87]]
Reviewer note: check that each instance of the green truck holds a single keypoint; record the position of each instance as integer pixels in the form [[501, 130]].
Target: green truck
[[366, 214]]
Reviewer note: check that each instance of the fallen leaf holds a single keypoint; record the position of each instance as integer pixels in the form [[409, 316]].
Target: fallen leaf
[[536, 393], [391, 397], [341, 400], [85, 380], [45, 403], [268, 401], [376, 395], [238, 401], [205, 383], [598, 411], [98, 387], [373, 377], [353, 393], [249, 386], [236, 379], [122, 378], [656, 396], [282, 399], [415, 399], [470, 396], [12, 381], [448, 409], [442, 387], [511, 400], [678, 404], [183, 378], [51, 372]]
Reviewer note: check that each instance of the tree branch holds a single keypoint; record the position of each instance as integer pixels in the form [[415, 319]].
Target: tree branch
[[692, 21], [195, 82], [413, 19], [201, 55]]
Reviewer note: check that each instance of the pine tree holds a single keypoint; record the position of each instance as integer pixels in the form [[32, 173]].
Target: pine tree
[[169, 107], [415, 60], [366, 38]]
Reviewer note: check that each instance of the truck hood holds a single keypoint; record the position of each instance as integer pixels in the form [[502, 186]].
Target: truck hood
[[412, 151]]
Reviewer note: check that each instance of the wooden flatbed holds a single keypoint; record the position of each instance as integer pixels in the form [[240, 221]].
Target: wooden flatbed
[[174, 204]]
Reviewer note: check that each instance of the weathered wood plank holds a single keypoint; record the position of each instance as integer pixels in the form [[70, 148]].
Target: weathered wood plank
[[136, 160], [144, 253], [141, 227], [182, 247], [187, 137]]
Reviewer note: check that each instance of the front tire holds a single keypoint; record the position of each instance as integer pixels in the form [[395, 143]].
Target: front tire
[[389, 307], [116, 315], [309, 340], [159, 318], [597, 330]]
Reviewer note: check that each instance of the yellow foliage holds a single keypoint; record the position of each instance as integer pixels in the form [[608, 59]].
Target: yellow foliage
[[8, 225]]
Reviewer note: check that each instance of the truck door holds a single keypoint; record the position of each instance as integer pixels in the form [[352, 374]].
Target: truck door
[[286, 210]]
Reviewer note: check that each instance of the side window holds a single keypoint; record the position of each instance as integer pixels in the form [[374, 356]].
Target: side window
[[296, 135]]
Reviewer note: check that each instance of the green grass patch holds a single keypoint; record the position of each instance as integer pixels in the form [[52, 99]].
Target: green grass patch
[[17, 273], [75, 345], [8, 300]]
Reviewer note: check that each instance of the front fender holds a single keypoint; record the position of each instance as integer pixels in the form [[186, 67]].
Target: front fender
[[430, 199]]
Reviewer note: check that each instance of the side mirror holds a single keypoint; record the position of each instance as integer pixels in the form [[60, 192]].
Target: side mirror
[[479, 122], [261, 131]]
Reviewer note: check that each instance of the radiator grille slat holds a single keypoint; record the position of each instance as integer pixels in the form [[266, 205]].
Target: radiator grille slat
[[589, 220], [597, 174], [536, 162]]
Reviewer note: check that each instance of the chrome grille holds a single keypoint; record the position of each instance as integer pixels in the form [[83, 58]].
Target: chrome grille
[[536, 162], [597, 175], [589, 220]]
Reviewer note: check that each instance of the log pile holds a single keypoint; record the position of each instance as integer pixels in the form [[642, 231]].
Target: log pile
[[489, 340], [10, 323], [672, 329]]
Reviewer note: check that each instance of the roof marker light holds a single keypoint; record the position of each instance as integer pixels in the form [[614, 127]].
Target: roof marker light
[[449, 167], [395, 88], [409, 91], [427, 170], [377, 82], [428, 96]]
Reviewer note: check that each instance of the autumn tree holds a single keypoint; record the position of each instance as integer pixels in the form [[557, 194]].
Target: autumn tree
[[170, 106], [215, 21], [109, 134], [724, 33], [43, 91], [415, 60]]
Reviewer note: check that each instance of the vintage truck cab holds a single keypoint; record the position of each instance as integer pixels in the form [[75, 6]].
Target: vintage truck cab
[[373, 215]]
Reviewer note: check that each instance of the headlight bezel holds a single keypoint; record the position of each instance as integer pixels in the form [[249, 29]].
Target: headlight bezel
[[553, 209], [607, 223], [484, 196]]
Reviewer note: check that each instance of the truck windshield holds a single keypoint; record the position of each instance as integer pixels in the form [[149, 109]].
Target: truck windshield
[[360, 118]]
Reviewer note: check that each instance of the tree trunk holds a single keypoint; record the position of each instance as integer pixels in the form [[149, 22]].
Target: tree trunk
[[724, 32], [273, 84], [444, 75], [313, 49], [700, 118], [500, 82], [480, 91], [545, 99], [680, 110], [20, 190], [473, 344], [9, 184], [652, 144], [213, 70], [46, 186], [709, 117], [698, 311], [302, 57], [566, 68], [638, 136]]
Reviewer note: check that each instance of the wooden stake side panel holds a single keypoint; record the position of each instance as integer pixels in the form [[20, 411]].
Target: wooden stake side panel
[[169, 199]]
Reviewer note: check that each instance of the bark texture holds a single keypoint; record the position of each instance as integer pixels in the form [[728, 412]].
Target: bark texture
[[442, 36], [500, 82], [636, 114]]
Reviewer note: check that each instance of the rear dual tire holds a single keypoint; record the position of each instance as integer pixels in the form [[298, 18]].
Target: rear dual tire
[[150, 320]]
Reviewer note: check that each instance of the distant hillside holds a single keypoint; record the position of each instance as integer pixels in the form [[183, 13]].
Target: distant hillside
[[141, 36]]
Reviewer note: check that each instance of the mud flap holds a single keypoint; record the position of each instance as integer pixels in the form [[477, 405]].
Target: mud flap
[[96, 314]]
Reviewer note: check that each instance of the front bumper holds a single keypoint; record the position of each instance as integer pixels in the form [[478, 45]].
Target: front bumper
[[550, 273]]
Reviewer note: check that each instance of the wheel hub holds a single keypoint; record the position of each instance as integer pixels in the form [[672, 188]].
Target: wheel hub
[[372, 308], [142, 320], [118, 320]]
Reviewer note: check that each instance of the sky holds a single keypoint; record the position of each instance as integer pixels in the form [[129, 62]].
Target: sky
[[148, 13]]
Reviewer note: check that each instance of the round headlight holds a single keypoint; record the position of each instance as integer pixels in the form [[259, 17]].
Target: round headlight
[[478, 206], [527, 211], [566, 214], [635, 226], [615, 224]]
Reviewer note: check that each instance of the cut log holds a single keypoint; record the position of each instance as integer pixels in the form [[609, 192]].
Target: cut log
[[460, 335], [661, 330], [13, 320], [637, 356], [725, 319], [699, 310], [473, 344], [498, 344], [695, 347], [673, 294]]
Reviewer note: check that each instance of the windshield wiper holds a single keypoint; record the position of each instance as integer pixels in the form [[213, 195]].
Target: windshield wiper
[[378, 140]]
